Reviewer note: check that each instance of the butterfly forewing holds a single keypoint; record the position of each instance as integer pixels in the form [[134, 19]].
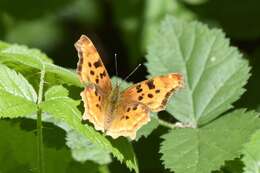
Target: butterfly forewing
[[90, 67], [155, 92], [94, 104]]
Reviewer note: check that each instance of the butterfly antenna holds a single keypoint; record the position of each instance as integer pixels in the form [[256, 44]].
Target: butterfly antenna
[[117, 83], [116, 64], [130, 74]]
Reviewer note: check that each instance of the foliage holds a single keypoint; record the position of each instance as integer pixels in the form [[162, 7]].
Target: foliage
[[214, 72], [205, 149], [252, 154], [204, 130]]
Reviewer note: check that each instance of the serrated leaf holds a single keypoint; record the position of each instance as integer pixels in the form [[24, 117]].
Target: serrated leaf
[[205, 149], [16, 84], [17, 96], [214, 72], [19, 56], [251, 154], [82, 149], [64, 109]]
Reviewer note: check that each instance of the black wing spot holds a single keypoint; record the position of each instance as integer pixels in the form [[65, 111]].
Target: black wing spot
[[97, 80], [103, 74], [150, 84], [140, 98], [138, 87], [150, 95], [92, 72], [96, 93], [157, 91], [89, 64], [128, 109], [139, 90], [98, 63], [135, 107], [98, 106], [126, 117], [99, 98]]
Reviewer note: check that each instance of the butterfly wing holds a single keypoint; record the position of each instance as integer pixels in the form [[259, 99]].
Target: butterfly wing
[[155, 92], [137, 101], [94, 104], [129, 117], [90, 67]]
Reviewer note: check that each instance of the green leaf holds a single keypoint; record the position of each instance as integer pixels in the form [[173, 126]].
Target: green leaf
[[214, 72], [206, 149], [64, 109], [18, 150], [19, 56], [17, 96], [147, 129], [15, 84], [251, 154], [82, 149]]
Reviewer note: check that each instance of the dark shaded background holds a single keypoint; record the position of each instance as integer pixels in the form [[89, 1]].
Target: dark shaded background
[[125, 28]]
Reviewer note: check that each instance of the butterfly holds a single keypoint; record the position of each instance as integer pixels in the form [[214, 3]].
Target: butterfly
[[113, 112]]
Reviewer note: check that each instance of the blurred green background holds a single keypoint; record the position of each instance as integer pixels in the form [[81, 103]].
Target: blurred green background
[[125, 28]]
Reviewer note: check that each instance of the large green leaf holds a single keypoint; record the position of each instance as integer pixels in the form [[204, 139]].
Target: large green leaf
[[17, 96], [18, 56], [64, 109], [205, 149], [214, 72], [251, 153], [18, 150]]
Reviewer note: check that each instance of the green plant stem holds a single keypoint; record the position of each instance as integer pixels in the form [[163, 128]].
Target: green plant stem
[[40, 158], [166, 124]]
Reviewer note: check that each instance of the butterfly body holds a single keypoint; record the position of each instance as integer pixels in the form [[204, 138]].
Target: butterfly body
[[114, 112]]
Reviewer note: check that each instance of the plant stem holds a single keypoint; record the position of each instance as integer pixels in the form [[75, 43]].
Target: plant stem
[[40, 158], [166, 124]]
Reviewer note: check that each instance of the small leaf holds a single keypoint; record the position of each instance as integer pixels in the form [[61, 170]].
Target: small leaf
[[251, 154], [206, 149], [17, 96], [16, 84], [82, 149], [64, 109], [19, 56], [214, 72]]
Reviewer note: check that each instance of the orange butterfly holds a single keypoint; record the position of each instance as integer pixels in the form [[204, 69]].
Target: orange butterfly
[[111, 111]]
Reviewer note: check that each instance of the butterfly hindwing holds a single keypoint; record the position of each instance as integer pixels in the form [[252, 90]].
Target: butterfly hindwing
[[129, 117], [90, 67], [94, 104], [155, 92]]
